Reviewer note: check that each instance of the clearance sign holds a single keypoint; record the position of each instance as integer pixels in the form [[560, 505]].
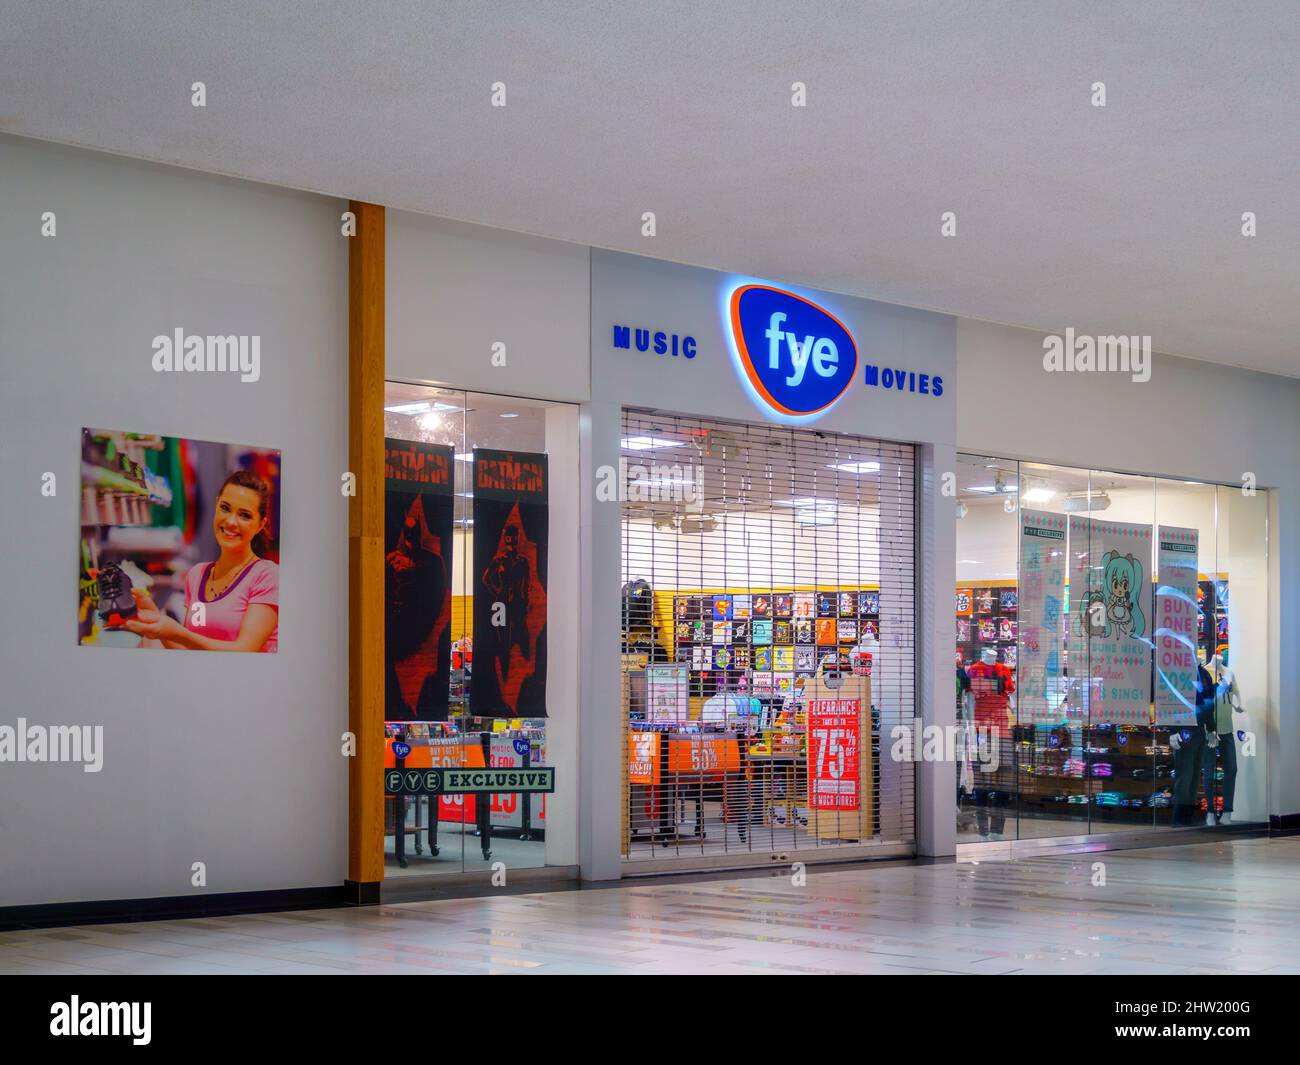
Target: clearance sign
[[463, 781], [834, 751]]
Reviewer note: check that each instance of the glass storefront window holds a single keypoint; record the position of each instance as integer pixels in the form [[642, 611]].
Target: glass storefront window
[[1102, 664], [438, 715]]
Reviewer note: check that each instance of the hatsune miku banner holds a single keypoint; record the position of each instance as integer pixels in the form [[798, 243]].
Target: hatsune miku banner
[[1176, 626], [1041, 654], [1110, 621]]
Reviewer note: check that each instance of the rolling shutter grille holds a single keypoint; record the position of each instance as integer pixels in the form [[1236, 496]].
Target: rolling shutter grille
[[756, 515]]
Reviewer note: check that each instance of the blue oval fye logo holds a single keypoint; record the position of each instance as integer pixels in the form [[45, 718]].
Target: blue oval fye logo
[[799, 357]]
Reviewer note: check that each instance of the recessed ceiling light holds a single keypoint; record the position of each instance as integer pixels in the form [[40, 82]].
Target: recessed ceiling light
[[509, 414], [648, 443], [465, 456], [1038, 495], [855, 467], [804, 501], [431, 420], [421, 407]]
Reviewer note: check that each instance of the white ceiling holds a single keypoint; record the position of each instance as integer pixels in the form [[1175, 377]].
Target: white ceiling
[[1117, 220]]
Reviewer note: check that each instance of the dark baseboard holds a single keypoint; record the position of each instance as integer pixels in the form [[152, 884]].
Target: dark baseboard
[[362, 892], [1284, 825], [175, 907]]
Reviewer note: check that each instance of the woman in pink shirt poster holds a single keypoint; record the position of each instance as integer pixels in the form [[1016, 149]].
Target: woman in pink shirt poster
[[233, 603]]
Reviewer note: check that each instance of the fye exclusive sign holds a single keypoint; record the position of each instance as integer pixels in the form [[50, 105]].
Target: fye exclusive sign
[[466, 781]]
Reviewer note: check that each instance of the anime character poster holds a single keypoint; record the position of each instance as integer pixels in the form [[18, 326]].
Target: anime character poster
[[418, 487], [1109, 647], [511, 492]]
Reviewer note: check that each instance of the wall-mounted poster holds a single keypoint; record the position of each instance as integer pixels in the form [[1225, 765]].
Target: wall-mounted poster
[[511, 492], [963, 630], [180, 543], [667, 693], [965, 602], [804, 606], [1110, 621], [1175, 626], [418, 498]]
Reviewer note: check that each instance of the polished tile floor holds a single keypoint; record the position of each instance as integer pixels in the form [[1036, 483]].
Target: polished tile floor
[[1217, 908]]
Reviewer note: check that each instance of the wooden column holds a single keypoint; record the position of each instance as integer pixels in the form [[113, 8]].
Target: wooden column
[[366, 552]]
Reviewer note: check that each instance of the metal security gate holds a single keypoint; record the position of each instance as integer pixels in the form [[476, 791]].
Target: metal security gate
[[768, 573]]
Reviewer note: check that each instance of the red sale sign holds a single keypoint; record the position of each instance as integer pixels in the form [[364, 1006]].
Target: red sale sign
[[834, 748]]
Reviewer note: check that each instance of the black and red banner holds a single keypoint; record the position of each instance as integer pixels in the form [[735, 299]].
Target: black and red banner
[[511, 489], [418, 498]]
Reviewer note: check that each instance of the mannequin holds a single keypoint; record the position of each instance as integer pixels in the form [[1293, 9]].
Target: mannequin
[[992, 686], [1193, 746], [966, 723], [1227, 702]]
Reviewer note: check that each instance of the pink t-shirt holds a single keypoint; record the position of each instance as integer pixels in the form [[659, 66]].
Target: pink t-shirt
[[260, 583]]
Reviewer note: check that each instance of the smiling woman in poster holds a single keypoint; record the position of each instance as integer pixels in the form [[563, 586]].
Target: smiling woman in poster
[[239, 593]]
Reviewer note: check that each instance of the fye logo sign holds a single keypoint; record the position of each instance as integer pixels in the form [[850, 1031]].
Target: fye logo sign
[[798, 356]]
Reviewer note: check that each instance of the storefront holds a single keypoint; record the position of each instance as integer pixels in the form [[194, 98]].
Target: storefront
[[757, 521], [758, 536], [1112, 653]]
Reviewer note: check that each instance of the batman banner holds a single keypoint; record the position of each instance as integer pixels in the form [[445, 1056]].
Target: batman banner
[[417, 579], [510, 540]]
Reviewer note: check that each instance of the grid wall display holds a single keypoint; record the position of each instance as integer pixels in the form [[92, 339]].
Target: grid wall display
[[768, 638]]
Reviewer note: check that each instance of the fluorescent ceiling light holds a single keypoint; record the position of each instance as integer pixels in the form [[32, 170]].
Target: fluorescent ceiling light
[[805, 501], [982, 488], [465, 456], [969, 562], [421, 407], [815, 516], [855, 467], [648, 443], [509, 414], [1038, 495]]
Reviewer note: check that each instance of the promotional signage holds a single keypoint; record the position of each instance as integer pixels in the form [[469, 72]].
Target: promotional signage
[[1110, 621], [511, 533], [1040, 657], [834, 750], [1175, 626], [418, 480], [460, 781]]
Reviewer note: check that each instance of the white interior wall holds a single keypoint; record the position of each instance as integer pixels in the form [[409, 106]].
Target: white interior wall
[[232, 760]]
